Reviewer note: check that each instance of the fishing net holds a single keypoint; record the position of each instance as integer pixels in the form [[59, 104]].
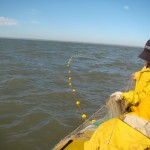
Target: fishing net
[[99, 117], [115, 108], [109, 110]]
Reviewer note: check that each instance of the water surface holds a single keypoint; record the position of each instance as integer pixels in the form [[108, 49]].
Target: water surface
[[37, 107]]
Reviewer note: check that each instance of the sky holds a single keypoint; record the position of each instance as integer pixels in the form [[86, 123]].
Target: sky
[[121, 22]]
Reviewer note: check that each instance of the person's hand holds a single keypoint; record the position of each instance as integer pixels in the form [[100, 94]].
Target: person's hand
[[133, 76], [116, 95]]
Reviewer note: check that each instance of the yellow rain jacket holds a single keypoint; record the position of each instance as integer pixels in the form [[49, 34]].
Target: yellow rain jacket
[[114, 134], [143, 110], [142, 88]]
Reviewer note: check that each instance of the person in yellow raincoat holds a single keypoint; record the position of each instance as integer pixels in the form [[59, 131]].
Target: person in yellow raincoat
[[142, 87], [130, 131]]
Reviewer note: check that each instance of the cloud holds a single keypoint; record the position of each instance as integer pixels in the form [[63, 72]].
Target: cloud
[[34, 11], [126, 7], [7, 21], [35, 22]]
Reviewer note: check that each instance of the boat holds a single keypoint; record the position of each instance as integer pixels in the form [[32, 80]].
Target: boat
[[115, 134], [76, 139]]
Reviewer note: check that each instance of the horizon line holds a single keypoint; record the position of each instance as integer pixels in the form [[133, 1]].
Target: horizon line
[[80, 42]]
